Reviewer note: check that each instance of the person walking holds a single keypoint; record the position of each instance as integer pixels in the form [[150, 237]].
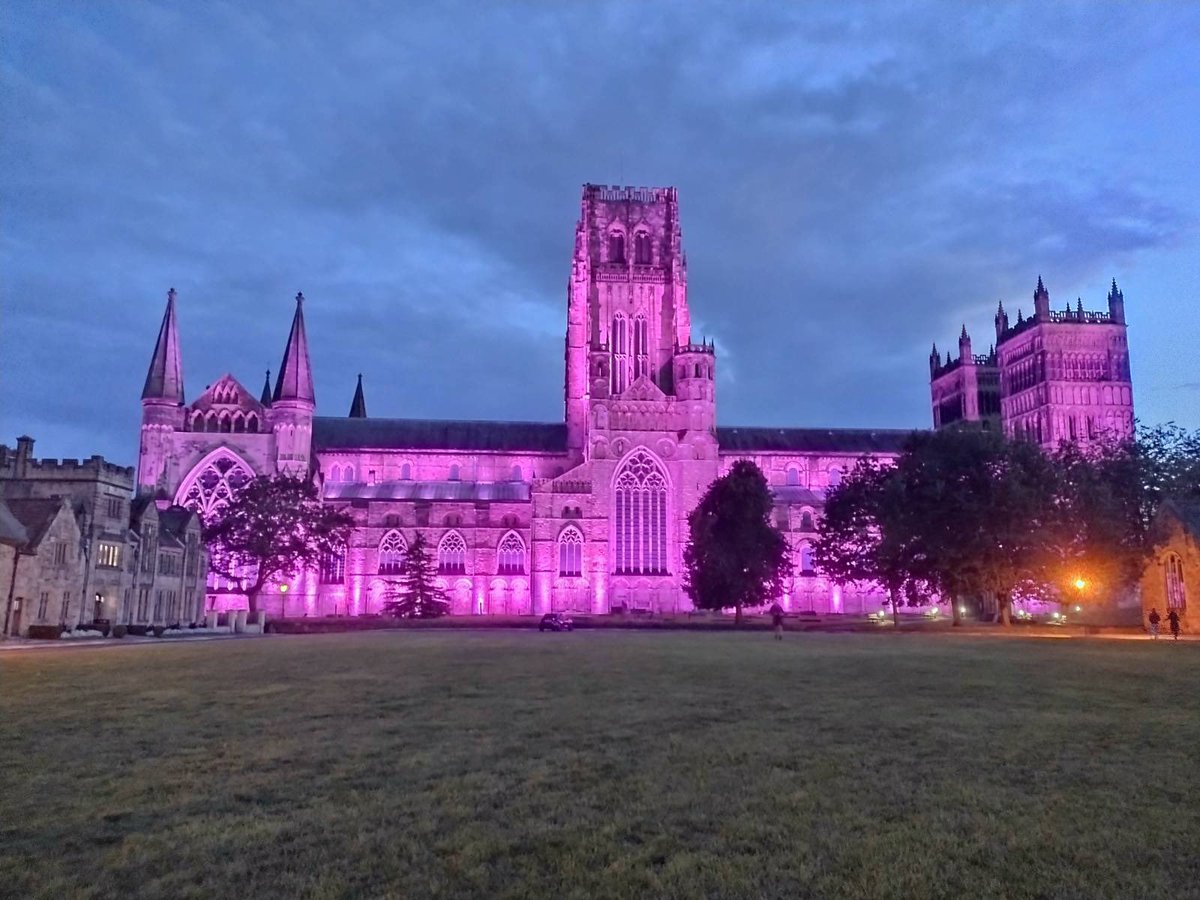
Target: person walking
[[1173, 619], [777, 620], [1154, 619]]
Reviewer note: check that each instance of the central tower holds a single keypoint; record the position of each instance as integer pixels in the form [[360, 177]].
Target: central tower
[[627, 311]]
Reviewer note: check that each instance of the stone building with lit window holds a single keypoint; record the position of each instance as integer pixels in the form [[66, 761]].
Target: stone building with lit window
[[585, 514], [1171, 580], [112, 540], [46, 571]]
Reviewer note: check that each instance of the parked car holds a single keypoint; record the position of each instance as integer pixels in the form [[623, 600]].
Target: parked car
[[555, 622]]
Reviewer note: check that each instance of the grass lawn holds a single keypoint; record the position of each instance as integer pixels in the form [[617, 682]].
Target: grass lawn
[[604, 764]]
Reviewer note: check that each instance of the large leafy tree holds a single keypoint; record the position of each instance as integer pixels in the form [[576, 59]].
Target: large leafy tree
[[415, 595], [867, 535], [735, 556], [273, 528]]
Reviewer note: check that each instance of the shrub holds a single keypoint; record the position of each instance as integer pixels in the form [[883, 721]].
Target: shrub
[[45, 632], [118, 631], [158, 630], [138, 630]]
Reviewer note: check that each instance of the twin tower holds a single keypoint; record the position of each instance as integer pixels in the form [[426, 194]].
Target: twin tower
[[1054, 376]]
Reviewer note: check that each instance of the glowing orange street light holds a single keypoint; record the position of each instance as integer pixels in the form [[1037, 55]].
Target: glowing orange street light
[[1080, 584], [283, 588]]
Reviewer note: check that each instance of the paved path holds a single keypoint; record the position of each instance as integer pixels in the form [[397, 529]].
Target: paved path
[[18, 644]]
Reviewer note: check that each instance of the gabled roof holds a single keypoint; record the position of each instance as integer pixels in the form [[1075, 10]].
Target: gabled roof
[[435, 434], [36, 515], [12, 532], [175, 519], [811, 440], [465, 491]]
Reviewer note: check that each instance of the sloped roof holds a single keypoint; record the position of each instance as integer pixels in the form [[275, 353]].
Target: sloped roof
[[465, 491], [36, 515], [800, 496], [438, 434], [12, 532], [811, 440]]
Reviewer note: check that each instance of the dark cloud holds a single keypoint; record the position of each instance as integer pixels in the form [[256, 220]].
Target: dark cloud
[[855, 182]]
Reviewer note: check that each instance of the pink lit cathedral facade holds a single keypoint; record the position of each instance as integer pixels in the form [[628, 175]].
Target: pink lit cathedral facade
[[585, 515]]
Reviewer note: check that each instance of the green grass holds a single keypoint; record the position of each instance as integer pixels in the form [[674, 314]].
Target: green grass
[[511, 764]]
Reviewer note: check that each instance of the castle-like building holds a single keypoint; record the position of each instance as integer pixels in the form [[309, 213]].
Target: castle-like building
[[588, 514], [1056, 376]]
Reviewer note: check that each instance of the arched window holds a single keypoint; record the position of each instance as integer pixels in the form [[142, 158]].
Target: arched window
[[239, 423], [348, 473], [835, 476], [225, 425], [454, 472], [1176, 592], [641, 248], [570, 553], [640, 505], [406, 472], [335, 474], [806, 560], [210, 423], [213, 484], [641, 348], [510, 557], [616, 247], [793, 476], [391, 553], [806, 521], [516, 473], [333, 567], [252, 424], [452, 554], [619, 340]]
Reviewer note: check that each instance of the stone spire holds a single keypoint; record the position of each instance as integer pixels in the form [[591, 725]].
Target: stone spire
[[964, 346], [358, 406], [295, 372], [265, 399], [164, 380], [1001, 320], [1116, 304], [1041, 302]]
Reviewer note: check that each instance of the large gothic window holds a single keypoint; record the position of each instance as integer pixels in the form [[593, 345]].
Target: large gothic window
[[333, 567], [640, 507], [391, 553], [452, 554], [570, 553], [1176, 593], [511, 555], [209, 489]]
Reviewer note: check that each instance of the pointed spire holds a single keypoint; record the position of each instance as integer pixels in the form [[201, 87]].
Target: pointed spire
[[295, 372], [358, 406], [1079, 307], [265, 399], [934, 352], [164, 379], [1041, 301], [1116, 304], [964, 336], [1115, 292], [1000, 308]]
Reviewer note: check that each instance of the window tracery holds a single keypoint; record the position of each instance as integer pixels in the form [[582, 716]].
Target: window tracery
[[511, 555], [640, 506], [391, 553], [210, 489], [570, 553], [452, 554]]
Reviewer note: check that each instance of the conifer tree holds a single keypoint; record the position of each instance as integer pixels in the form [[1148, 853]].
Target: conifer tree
[[415, 595]]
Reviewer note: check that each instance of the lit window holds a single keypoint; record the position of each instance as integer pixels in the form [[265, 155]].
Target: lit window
[[570, 553], [806, 560], [511, 555], [641, 517], [391, 553], [333, 567], [452, 554], [1176, 592]]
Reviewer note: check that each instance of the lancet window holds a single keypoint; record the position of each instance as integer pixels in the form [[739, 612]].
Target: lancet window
[[452, 554], [641, 249], [333, 567], [619, 340], [1176, 591], [616, 247], [391, 553], [511, 555], [641, 348], [806, 560], [570, 553], [640, 506]]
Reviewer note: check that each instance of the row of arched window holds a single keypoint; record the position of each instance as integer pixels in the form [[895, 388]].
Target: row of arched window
[[346, 473], [227, 422], [628, 366], [794, 478], [643, 251]]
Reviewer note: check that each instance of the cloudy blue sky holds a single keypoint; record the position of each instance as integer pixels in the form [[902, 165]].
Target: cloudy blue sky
[[855, 183]]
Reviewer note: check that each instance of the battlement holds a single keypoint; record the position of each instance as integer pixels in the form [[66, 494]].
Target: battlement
[[614, 193], [1062, 317], [707, 349], [13, 464]]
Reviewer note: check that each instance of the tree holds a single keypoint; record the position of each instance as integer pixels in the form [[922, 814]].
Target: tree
[[272, 528], [415, 595], [866, 535], [735, 556]]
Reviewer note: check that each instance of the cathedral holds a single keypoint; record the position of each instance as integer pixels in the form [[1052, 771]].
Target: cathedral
[[587, 514]]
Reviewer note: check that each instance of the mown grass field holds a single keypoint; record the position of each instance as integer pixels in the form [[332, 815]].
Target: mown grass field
[[605, 764]]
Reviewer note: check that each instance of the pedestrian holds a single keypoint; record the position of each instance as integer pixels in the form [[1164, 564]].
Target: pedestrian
[[1173, 618], [777, 620], [1154, 619]]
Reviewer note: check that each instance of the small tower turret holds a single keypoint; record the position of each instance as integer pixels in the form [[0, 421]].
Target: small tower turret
[[934, 360], [162, 403], [358, 406], [695, 374], [265, 399], [1041, 302], [1001, 320], [1116, 304], [294, 402], [964, 348]]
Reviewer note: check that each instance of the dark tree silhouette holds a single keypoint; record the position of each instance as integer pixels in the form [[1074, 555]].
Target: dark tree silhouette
[[415, 595]]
